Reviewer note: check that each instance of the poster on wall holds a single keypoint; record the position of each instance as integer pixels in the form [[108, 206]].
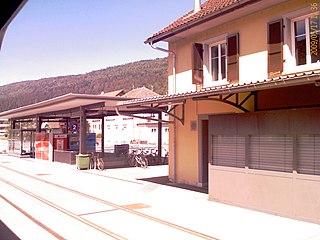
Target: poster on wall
[[42, 146], [74, 141]]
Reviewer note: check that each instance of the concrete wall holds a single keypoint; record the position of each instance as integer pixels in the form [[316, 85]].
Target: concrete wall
[[286, 194], [291, 194]]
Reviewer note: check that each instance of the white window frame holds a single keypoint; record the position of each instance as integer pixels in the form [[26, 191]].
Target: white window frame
[[293, 67], [207, 75], [220, 79], [306, 24]]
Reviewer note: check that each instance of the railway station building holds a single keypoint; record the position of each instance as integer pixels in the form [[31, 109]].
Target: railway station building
[[244, 103], [244, 86]]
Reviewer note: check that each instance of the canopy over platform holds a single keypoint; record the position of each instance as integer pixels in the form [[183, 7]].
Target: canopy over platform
[[65, 106], [96, 106], [79, 107]]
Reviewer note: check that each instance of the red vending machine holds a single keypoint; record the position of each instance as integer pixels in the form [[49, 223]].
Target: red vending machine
[[60, 142]]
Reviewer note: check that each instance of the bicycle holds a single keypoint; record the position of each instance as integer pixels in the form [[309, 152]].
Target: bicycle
[[166, 157], [152, 157], [138, 159], [96, 162]]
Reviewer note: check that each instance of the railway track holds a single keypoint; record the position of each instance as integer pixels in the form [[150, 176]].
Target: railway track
[[131, 213]]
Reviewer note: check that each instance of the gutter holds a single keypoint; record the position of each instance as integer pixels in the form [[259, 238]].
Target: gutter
[[199, 21]]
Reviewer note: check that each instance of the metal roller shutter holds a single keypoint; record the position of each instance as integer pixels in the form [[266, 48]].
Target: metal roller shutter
[[228, 151], [308, 154], [272, 152]]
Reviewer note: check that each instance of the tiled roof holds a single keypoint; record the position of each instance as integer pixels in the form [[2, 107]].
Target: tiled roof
[[283, 81], [117, 93], [208, 8], [142, 92]]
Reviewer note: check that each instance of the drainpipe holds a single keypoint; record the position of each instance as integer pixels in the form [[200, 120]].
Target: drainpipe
[[173, 63], [174, 148], [174, 152]]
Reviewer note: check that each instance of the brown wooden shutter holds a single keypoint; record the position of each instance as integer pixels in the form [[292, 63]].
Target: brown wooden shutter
[[197, 73], [233, 58], [275, 48]]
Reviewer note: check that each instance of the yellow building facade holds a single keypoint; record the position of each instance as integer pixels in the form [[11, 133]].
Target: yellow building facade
[[271, 57]]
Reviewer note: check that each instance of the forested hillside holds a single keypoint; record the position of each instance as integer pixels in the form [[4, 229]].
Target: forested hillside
[[149, 73]]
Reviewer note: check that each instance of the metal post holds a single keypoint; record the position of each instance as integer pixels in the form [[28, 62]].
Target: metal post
[[66, 122], [102, 137], [21, 140], [38, 124], [160, 137], [13, 124], [12, 137], [83, 131]]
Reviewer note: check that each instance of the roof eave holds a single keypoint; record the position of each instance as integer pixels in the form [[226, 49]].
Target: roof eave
[[279, 82], [61, 99], [184, 27]]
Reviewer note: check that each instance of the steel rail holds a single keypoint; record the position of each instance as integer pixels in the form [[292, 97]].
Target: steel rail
[[40, 224], [65, 211], [119, 207]]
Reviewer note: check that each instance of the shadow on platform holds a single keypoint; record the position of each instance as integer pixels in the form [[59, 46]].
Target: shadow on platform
[[164, 180], [6, 233]]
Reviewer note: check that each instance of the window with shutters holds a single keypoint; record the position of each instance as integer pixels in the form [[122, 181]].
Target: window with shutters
[[228, 151], [215, 61], [271, 152], [305, 32], [220, 60], [308, 154]]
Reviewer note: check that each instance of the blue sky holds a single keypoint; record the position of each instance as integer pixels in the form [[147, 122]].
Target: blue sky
[[63, 37]]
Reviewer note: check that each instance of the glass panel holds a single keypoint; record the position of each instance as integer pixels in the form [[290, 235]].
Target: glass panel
[[300, 42], [214, 52], [223, 67], [14, 142], [219, 62], [299, 28], [215, 63], [215, 69], [223, 61], [26, 142], [223, 49], [314, 26]]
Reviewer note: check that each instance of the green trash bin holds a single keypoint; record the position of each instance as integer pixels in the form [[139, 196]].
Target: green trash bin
[[82, 161]]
